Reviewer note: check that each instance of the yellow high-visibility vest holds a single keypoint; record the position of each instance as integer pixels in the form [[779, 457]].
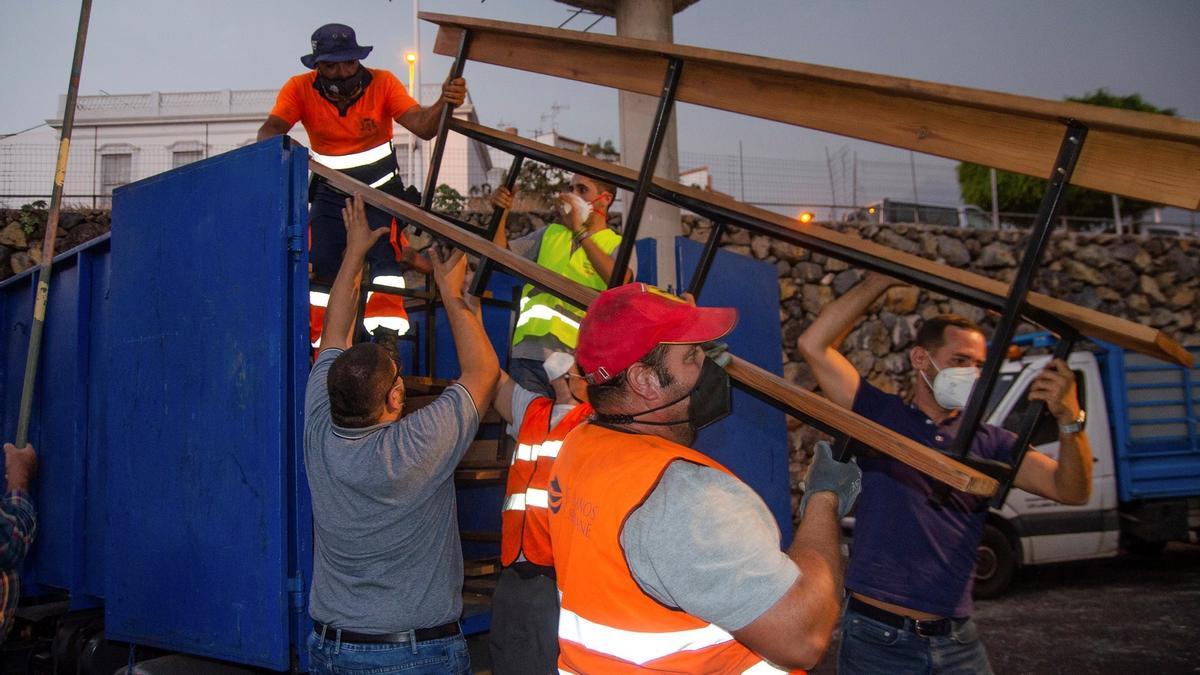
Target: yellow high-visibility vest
[[544, 314]]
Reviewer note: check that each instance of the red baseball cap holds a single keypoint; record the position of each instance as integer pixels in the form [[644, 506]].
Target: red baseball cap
[[624, 323]]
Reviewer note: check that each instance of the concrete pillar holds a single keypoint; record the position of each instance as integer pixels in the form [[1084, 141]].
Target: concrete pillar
[[650, 20]]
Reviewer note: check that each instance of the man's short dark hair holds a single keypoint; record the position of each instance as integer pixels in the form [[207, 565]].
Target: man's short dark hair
[[932, 333], [358, 383], [604, 186], [608, 397]]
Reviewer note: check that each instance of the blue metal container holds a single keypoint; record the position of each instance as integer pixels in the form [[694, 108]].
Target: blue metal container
[[168, 412]]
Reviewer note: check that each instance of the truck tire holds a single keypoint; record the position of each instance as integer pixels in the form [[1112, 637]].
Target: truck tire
[[995, 564]]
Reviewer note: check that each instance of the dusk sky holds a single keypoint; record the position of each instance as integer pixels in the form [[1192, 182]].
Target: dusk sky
[[1031, 47]]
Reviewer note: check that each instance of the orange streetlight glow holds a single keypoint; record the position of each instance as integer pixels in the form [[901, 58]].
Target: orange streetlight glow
[[805, 217]]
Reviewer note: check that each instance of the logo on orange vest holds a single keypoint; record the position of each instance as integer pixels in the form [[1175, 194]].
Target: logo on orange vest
[[555, 496], [367, 125]]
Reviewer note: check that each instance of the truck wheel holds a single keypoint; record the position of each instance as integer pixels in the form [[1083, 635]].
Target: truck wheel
[[995, 564]]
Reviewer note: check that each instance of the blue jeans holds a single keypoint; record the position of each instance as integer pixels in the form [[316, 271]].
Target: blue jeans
[[868, 646], [432, 657]]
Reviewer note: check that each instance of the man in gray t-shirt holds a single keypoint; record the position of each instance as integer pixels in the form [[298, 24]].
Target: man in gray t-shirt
[[387, 561]]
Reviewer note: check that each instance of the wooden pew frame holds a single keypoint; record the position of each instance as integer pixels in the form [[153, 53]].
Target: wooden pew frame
[[817, 410], [1012, 302]]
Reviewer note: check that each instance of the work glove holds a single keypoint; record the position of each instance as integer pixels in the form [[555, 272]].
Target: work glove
[[718, 351], [826, 474]]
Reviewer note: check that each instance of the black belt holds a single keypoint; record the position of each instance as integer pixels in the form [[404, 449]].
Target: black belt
[[922, 627], [403, 637]]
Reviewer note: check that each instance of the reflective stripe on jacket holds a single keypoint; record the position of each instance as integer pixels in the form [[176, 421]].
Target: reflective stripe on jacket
[[525, 530], [607, 623], [542, 313]]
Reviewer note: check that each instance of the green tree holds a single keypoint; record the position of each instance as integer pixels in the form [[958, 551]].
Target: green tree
[[602, 150], [1019, 193], [448, 200], [542, 181]]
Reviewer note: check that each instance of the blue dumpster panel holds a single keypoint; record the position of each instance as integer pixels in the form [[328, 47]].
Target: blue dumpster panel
[[62, 555], [752, 442], [197, 438]]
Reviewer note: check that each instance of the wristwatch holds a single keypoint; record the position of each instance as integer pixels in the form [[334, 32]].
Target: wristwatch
[[1076, 426]]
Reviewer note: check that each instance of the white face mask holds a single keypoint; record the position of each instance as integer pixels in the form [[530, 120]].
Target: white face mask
[[952, 386], [573, 202]]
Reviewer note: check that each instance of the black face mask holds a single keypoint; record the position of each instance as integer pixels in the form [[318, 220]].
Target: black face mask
[[345, 92], [710, 400]]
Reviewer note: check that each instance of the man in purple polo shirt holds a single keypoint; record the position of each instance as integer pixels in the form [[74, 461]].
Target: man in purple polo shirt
[[909, 580]]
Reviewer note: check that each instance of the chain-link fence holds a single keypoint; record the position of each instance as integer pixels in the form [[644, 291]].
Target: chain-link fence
[[830, 189], [27, 169]]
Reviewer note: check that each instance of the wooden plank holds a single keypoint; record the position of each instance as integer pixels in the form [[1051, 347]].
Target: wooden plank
[[872, 433], [479, 475], [1137, 155], [479, 568], [1089, 322], [483, 453], [926, 460]]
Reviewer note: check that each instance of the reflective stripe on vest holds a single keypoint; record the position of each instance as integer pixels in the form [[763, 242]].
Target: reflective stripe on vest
[[352, 160], [530, 453], [532, 497], [632, 646], [523, 519], [607, 623], [544, 314], [540, 312]]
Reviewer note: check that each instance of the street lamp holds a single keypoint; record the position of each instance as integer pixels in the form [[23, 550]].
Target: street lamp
[[411, 58]]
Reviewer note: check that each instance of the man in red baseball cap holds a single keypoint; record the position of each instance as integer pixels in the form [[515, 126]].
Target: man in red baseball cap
[[665, 560]]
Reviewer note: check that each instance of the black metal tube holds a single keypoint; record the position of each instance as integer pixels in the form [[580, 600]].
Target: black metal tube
[[1028, 423], [658, 133], [43, 284], [706, 259], [483, 273], [435, 161], [1039, 236], [849, 254]]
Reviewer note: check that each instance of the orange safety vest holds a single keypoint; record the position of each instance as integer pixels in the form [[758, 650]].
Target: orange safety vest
[[525, 528], [607, 623]]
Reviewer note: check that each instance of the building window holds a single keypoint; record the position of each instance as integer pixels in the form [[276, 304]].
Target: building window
[[181, 157], [115, 170]]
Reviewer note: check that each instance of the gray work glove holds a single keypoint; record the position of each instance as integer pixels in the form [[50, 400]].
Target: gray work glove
[[826, 474]]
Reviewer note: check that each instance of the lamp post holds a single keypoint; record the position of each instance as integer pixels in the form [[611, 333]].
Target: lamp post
[[411, 58]]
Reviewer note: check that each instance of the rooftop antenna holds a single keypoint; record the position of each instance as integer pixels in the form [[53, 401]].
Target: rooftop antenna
[[555, 108]]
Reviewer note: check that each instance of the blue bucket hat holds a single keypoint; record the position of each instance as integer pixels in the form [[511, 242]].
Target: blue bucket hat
[[334, 42]]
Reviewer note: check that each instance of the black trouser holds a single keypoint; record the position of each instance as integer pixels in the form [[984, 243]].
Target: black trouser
[[524, 636], [328, 232]]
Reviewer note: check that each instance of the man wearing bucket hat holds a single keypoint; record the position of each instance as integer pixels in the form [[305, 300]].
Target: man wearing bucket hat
[[664, 559], [524, 635], [347, 110]]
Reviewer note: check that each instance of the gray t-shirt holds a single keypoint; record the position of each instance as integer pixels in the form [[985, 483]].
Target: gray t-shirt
[[521, 398], [386, 552], [705, 542], [540, 347]]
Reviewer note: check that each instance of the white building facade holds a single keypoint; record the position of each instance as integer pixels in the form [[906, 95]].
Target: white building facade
[[123, 138]]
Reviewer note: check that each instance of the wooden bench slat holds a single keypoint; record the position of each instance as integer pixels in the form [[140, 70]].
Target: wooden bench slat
[[1089, 322], [1139, 155], [904, 449]]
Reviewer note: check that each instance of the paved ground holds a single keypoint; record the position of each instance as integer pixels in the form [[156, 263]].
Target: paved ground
[[1123, 615]]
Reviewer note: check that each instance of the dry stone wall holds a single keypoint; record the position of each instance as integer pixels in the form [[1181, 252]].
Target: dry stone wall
[[22, 231], [1150, 280]]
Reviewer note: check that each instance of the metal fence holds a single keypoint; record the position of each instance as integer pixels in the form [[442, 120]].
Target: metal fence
[[829, 189], [27, 170]]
